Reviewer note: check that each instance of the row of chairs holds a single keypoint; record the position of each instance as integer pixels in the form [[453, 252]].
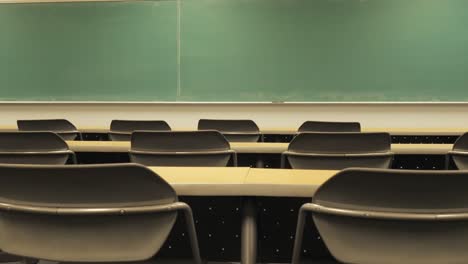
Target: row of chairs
[[155, 148], [392, 200], [208, 148], [127, 213], [233, 130], [211, 148], [306, 151]]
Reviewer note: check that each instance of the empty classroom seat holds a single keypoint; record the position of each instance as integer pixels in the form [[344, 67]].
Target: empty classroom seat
[[62, 127], [391, 216], [34, 148], [459, 153], [338, 151], [233, 130], [121, 130], [322, 126], [88, 213], [183, 148]]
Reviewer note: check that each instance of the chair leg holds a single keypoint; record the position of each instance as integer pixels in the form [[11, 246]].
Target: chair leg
[[192, 234], [74, 159], [447, 161], [234, 159], [296, 257], [283, 161]]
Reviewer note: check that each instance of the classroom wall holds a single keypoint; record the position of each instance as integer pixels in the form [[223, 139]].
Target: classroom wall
[[267, 115]]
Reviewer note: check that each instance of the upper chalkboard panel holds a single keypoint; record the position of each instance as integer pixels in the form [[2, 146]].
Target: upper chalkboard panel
[[88, 51], [236, 50]]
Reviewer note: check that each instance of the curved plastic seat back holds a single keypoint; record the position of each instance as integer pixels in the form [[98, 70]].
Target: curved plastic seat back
[[33, 148], [233, 130], [188, 148], [394, 238], [459, 153], [83, 213], [121, 130], [339, 150], [322, 126], [62, 127]]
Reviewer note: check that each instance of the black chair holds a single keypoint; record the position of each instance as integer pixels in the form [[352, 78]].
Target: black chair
[[233, 130], [187, 148], [322, 126], [391, 216], [62, 127], [338, 151], [121, 130], [34, 148], [459, 153], [88, 213]]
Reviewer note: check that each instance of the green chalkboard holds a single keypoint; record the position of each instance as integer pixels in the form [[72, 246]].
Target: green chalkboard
[[325, 50], [236, 50], [88, 51]]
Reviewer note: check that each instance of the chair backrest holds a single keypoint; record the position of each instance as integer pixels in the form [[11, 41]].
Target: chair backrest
[[33, 148], [121, 130], [323, 126], [84, 213], [182, 148], [233, 130], [398, 216], [62, 127], [339, 150], [459, 152]]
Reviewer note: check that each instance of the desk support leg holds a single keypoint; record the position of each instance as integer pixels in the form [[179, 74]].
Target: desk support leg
[[249, 232], [260, 162]]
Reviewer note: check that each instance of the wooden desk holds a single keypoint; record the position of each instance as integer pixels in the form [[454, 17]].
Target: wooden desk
[[285, 182], [243, 181], [421, 149], [99, 146], [222, 181], [257, 148], [205, 181], [436, 131], [431, 131], [247, 183]]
